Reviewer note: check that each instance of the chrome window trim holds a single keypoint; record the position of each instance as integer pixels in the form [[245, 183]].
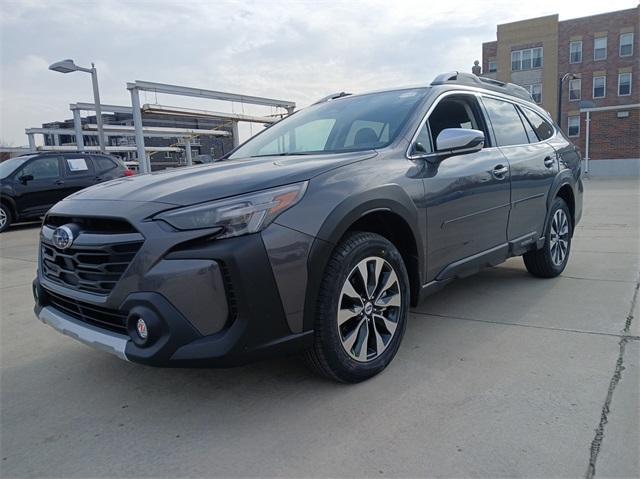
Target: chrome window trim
[[479, 93]]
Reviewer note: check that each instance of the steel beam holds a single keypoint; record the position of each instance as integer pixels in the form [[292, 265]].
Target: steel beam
[[77, 125], [210, 94], [145, 163], [164, 130], [174, 110], [187, 151], [109, 148]]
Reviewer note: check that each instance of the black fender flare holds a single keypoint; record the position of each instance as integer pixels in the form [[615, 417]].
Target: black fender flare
[[12, 205], [388, 198], [564, 178]]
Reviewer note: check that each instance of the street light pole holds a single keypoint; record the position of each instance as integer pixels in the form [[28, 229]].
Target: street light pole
[[68, 66], [570, 76], [96, 99]]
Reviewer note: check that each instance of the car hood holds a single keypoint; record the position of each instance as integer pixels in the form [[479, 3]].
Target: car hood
[[197, 184]]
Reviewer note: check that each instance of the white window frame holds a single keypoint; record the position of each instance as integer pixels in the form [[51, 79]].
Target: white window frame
[[593, 87], [575, 42], [620, 75], [517, 57], [495, 64], [606, 46], [579, 80], [630, 34], [530, 89], [569, 118], [518, 54]]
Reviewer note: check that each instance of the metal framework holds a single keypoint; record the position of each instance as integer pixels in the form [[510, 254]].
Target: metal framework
[[137, 86]]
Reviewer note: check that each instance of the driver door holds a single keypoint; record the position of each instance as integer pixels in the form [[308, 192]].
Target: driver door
[[39, 185], [467, 195]]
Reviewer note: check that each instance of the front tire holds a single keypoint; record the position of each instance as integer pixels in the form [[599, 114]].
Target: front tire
[[5, 217], [362, 309], [552, 258]]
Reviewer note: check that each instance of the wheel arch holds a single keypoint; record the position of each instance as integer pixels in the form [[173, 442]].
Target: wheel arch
[[563, 187], [387, 211], [6, 200]]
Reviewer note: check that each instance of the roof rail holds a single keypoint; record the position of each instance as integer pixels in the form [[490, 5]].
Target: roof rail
[[333, 96], [469, 79]]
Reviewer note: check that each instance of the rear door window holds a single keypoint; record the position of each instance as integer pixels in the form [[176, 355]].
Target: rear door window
[[542, 127], [78, 166], [507, 125]]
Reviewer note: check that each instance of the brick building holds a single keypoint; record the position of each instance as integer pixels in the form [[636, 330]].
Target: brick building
[[599, 58]]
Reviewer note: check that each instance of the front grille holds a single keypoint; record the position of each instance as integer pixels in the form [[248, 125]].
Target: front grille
[[94, 269], [91, 224], [106, 318]]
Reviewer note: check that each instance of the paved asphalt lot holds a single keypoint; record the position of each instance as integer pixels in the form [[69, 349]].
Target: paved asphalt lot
[[500, 374]]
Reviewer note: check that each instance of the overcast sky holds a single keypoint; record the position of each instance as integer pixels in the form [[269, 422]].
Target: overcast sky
[[296, 51]]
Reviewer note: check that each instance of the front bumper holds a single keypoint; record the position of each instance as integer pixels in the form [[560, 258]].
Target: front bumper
[[98, 338], [209, 303]]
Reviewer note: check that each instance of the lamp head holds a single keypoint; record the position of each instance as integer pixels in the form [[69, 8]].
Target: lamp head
[[64, 66]]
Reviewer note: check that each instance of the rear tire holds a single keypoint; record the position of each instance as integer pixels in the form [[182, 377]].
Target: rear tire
[[360, 322], [5, 217], [552, 258]]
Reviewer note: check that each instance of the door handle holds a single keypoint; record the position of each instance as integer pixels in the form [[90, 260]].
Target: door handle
[[499, 171], [59, 182], [548, 162], [98, 178]]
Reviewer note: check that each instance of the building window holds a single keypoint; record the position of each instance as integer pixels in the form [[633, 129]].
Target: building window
[[536, 92], [575, 86], [626, 44], [599, 86], [528, 59], [516, 60], [493, 66], [573, 126], [600, 48], [624, 84], [575, 52]]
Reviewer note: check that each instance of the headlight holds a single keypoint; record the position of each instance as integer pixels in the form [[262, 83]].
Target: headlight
[[239, 215]]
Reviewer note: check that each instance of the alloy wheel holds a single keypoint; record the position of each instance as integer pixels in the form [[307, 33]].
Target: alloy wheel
[[559, 240], [369, 309], [3, 218]]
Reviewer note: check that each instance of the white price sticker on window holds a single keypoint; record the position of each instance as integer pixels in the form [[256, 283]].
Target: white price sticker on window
[[77, 164]]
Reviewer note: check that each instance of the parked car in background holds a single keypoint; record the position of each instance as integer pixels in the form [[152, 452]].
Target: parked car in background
[[317, 234], [31, 184]]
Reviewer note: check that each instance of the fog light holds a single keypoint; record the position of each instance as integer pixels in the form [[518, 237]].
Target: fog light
[[141, 328]]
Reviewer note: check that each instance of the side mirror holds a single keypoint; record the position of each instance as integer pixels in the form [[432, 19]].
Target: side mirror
[[24, 179], [452, 141]]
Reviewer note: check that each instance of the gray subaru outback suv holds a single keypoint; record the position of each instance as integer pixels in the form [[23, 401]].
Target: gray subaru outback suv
[[317, 235]]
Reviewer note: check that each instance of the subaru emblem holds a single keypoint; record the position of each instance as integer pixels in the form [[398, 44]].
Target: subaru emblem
[[62, 237]]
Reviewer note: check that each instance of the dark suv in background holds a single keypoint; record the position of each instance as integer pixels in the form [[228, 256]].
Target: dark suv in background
[[316, 235], [32, 184]]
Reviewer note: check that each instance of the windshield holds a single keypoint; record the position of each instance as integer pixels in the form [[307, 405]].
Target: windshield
[[9, 166], [356, 123]]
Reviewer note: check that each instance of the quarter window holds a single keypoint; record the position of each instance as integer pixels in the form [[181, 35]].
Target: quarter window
[[574, 126], [600, 48], [507, 125], [542, 127], [42, 168], [575, 87], [103, 164], [575, 52], [626, 44], [624, 84], [599, 86]]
